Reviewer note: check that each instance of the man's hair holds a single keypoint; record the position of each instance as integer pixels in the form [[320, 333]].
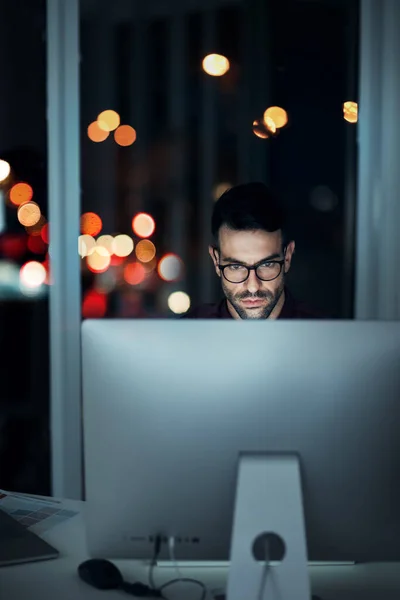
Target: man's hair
[[249, 207]]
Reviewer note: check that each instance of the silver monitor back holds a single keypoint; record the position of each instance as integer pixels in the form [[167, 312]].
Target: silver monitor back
[[169, 405]]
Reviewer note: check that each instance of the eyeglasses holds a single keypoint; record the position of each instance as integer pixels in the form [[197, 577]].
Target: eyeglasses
[[265, 271]]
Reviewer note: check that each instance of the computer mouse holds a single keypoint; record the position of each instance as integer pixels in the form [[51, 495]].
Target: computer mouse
[[101, 574]]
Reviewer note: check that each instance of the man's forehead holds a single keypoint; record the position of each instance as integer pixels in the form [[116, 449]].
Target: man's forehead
[[258, 241]]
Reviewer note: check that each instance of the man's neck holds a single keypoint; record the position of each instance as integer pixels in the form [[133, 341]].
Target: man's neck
[[274, 314]]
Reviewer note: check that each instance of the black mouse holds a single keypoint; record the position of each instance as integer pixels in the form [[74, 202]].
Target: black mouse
[[101, 574]]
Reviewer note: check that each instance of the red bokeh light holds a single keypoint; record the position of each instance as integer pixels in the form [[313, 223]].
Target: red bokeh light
[[134, 273], [44, 233], [94, 305], [13, 245], [116, 261], [36, 244]]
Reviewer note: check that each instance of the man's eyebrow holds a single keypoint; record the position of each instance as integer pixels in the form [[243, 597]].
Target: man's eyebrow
[[230, 259]]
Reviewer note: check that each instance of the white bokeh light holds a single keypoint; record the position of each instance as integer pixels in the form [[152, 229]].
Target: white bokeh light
[[179, 302], [32, 274]]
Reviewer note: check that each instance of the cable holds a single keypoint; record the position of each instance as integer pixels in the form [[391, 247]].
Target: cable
[[180, 579]]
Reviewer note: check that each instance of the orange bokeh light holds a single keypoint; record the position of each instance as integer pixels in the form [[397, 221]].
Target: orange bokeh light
[[143, 225], [125, 135], [21, 193], [145, 251], [134, 273], [44, 233], [91, 224], [95, 133]]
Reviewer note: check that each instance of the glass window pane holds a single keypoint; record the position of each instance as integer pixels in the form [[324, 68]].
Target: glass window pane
[[24, 332], [174, 111]]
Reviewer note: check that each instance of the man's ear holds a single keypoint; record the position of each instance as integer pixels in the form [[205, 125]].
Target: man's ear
[[290, 248], [213, 252]]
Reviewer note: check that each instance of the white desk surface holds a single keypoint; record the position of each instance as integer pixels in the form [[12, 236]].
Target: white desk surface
[[58, 579]]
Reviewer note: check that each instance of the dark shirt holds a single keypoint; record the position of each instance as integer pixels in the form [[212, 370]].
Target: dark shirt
[[292, 309]]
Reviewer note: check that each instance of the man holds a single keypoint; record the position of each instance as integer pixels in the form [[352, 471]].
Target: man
[[252, 255]]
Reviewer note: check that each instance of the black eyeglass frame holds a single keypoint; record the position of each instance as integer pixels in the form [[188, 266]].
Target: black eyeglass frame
[[253, 268]]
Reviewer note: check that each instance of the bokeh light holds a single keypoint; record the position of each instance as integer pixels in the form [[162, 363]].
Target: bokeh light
[[86, 245], [143, 225], [29, 214], [260, 129], [37, 228], [94, 305], [350, 111], [105, 244], [5, 170], [45, 233], [98, 263], [145, 251], [95, 134], [108, 120], [134, 273], [13, 245], [215, 65], [91, 224], [220, 188], [170, 267], [36, 245], [32, 274], [21, 193], [122, 245], [277, 115], [125, 135], [179, 302]]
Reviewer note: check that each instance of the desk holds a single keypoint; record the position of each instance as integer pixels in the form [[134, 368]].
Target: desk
[[58, 580]]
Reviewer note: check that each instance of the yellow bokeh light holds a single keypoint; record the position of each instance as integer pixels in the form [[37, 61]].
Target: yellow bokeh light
[[98, 263], [179, 302], [350, 111], [170, 267], [277, 115], [108, 120], [145, 251], [105, 244], [32, 274], [143, 225], [95, 134], [122, 245], [29, 214], [125, 135], [86, 245], [220, 188], [215, 65], [5, 170]]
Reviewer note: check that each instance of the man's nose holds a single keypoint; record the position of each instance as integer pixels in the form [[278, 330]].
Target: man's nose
[[253, 283]]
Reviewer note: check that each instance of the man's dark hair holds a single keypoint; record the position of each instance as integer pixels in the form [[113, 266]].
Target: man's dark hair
[[249, 207]]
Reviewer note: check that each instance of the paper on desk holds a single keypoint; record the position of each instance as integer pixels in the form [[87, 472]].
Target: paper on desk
[[38, 515]]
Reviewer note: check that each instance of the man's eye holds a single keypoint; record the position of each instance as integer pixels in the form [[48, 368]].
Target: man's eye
[[268, 265], [235, 267]]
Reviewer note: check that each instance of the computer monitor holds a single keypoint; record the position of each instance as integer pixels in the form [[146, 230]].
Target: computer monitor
[[172, 411]]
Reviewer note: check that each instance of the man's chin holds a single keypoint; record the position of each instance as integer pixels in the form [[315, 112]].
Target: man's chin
[[259, 312]]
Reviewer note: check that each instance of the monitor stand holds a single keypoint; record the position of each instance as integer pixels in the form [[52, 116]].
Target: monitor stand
[[268, 517]]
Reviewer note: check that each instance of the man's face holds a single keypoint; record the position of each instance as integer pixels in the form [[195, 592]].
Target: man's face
[[254, 298]]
